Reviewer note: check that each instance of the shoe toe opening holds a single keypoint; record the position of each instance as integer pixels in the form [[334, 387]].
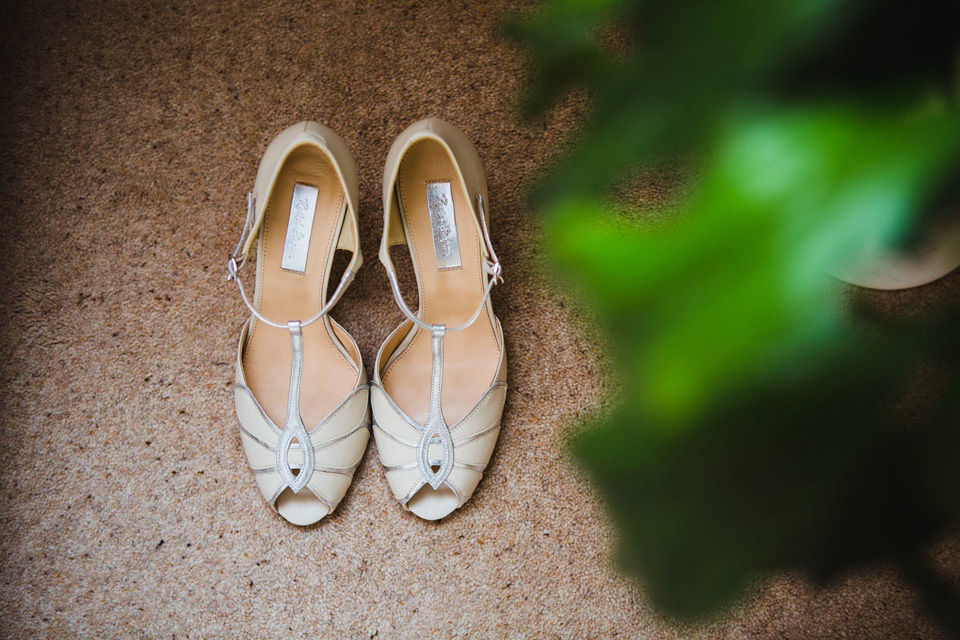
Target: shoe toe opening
[[433, 504], [300, 508]]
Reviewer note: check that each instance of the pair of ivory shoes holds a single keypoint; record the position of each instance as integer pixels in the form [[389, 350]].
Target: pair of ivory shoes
[[302, 396]]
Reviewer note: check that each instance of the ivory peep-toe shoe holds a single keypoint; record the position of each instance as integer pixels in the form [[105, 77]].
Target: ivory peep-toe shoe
[[301, 391], [440, 378]]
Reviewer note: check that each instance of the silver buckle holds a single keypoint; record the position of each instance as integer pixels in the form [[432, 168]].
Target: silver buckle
[[496, 270], [233, 267]]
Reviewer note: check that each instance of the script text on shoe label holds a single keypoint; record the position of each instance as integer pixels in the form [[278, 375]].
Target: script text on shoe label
[[302, 210], [446, 246]]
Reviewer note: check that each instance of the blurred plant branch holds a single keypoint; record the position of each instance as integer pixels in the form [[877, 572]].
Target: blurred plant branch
[[763, 425]]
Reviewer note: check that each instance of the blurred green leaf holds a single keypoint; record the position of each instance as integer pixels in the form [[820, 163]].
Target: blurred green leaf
[[764, 423], [741, 285]]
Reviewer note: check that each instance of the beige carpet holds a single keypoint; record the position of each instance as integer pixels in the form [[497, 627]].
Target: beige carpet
[[131, 135]]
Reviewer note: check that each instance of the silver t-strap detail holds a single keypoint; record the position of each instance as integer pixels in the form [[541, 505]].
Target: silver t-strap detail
[[435, 431], [293, 427]]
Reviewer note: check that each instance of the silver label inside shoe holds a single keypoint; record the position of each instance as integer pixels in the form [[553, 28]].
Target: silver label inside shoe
[[446, 247], [303, 207]]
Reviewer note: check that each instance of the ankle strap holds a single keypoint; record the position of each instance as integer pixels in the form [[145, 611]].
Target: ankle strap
[[239, 257], [491, 266]]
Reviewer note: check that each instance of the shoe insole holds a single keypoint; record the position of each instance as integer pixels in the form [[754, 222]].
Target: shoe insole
[[287, 294], [449, 295]]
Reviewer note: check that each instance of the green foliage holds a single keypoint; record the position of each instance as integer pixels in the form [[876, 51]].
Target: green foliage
[[761, 428]]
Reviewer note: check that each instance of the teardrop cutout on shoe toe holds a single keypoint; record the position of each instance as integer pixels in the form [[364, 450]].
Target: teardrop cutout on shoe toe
[[433, 504], [300, 508]]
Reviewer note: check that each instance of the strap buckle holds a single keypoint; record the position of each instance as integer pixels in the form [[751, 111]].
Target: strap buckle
[[495, 269], [233, 266], [237, 258], [493, 262]]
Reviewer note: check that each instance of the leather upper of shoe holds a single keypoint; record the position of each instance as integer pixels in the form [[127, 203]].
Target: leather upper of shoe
[[316, 458], [431, 452]]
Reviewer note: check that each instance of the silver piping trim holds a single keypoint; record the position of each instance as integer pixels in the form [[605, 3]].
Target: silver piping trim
[[270, 423], [293, 427], [478, 435], [406, 466], [340, 406], [469, 466], [486, 394], [263, 414], [324, 501], [262, 443], [460, 499], [398, 440], [420, 483], [343, 471], [393, 405], [435, 430], [412, 423], [264, 470], [434, 462], [326, 444], [340, 471], [276, 494]]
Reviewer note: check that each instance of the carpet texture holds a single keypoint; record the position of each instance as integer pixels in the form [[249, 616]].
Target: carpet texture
[[132, 133]]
